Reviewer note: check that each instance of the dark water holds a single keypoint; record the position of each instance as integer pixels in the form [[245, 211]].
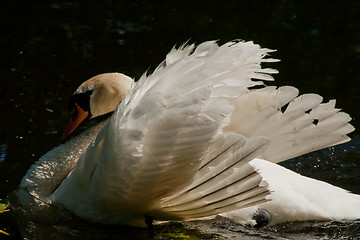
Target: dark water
[[47, 49]]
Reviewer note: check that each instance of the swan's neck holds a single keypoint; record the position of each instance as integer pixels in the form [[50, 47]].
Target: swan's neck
[[43, 178]]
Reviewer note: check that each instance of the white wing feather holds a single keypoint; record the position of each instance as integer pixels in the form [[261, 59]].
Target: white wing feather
[[179, 144], [305, 125]]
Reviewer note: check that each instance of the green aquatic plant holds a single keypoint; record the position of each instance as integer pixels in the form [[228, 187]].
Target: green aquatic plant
[[3, 209]]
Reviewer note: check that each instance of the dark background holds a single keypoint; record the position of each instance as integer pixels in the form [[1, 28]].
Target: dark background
[[48, 48]]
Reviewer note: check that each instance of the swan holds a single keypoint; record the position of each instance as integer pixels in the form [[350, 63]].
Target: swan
[[200, 136]]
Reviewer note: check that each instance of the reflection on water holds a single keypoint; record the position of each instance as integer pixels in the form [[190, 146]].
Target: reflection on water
[[48, 49]]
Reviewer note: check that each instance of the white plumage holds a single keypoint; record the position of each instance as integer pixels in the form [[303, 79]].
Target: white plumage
[[179, 144], [298, 198]]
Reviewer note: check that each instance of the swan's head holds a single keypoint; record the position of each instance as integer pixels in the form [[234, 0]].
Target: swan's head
[[95, 97]]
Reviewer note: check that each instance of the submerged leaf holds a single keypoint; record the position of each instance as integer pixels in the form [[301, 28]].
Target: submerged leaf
[[3, 208]]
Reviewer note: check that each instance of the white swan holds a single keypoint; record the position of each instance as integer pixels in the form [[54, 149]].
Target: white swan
[[182, 143]]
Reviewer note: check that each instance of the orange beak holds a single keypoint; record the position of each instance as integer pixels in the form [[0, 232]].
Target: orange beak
[[79, 115]]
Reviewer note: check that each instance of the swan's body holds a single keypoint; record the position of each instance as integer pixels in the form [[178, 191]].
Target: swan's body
[[299, 198], [180, 145]]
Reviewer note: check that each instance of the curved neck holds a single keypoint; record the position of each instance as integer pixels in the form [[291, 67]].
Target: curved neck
[[44, 176]]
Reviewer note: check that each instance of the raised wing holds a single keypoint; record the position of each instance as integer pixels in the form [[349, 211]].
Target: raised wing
[[179, 144], [158, 140]]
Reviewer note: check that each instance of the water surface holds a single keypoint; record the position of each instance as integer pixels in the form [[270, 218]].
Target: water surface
[[48, 49]]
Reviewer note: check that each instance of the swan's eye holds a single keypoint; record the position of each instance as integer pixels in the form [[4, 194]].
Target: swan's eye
[[81, 99]]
